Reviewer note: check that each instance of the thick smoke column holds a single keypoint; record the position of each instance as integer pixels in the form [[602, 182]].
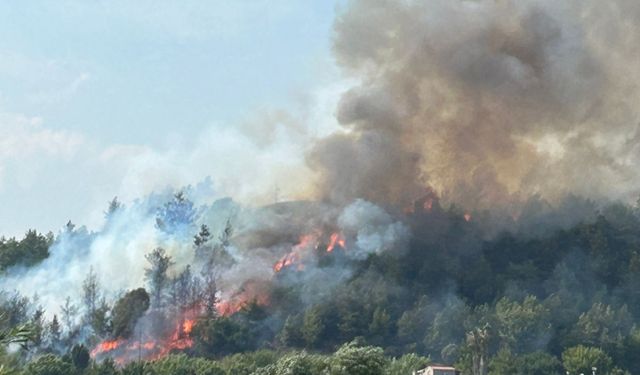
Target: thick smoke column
[[488, 102]]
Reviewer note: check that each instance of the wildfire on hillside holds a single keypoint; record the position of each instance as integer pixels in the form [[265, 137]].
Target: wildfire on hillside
[[179, 338]]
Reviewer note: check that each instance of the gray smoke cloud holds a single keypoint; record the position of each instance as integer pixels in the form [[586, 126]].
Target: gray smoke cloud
[[488, 102], [261, 237]]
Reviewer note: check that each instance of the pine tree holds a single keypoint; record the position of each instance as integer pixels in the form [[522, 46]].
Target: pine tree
[[38, 328], [156, 275], [202, 237], [114, 206], [210, 296], [90, 294], [69, 312], [54, 332]]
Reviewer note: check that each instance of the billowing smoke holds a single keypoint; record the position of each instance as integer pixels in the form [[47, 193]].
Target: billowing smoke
[[263, 246], [373, 229], [487, 102]]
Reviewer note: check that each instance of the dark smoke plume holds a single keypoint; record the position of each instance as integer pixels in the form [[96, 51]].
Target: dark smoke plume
[[487, 102]]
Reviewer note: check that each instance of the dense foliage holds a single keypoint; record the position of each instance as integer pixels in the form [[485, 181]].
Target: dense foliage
[[523, 301]]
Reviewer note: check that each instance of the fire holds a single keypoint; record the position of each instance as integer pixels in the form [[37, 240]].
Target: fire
[[296, 254], [336, 239], [285, 261], [303, 250], [151, 348], [467, 217], [106, 346], [251, 291], [187, 326]]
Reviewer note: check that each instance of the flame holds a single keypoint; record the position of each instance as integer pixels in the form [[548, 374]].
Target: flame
[[296, 254], [106, 346], [336, 239], [285, 261], [187, 326], [302, 250], [467, 217], [251, 291], [123, 350]]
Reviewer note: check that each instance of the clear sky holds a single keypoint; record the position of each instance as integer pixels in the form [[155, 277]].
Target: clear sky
[[104, 98]]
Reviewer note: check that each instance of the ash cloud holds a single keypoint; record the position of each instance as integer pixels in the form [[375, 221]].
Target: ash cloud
[[488, 102]]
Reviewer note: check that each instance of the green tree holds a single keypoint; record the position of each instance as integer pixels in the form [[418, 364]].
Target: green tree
[[90, 294], [137, 368], [406, 364], [128, 310], [202, 237], [291, 335], [177, 215], [603, 326], [312, 326], [538, 363], [448, 326], [100, 320], [54, 332], [38, 327], [156, 275], [221, 336], [20, 334], [478, 344], [49, 364], [32, 249], [521, 326], [351, 359], [380, 326], [107, 367], [80, 357], [300, 364], [503, 363], [580, 359], [249, 363], [180, 364], [113, 208], [413, 323]]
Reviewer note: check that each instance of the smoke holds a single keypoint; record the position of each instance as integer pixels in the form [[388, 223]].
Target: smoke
[[488, 102], [260, 238], [374, 230]]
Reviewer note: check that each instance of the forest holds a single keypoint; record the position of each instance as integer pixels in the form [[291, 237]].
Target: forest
[[551, 291]]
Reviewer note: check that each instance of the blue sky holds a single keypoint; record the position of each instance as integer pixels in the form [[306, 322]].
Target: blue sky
[[107, 98]]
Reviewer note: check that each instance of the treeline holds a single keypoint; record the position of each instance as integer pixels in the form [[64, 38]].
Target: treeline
[[564, 299], [349, 359], [29, 251]]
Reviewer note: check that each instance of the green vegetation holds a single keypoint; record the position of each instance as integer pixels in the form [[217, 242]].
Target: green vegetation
[[563, 299]]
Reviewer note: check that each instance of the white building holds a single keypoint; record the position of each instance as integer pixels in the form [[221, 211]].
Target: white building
[[437, 370]]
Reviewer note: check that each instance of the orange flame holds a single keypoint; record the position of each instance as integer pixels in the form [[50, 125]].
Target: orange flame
[[187, 326], [252, 291], [285, 261], [106, 346], [179, 339], [336, 239], [297, 253]]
